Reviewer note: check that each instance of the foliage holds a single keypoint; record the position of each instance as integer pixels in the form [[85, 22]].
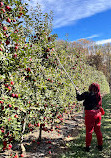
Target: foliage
[[35, 91]]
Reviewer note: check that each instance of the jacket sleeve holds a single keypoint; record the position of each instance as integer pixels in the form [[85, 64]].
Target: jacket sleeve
[[82, 96], [100, 102]]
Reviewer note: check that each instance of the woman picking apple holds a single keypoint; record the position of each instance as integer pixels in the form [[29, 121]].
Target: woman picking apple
[[93, 111]]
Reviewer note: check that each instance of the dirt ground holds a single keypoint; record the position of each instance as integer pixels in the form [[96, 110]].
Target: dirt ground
[[54, 143]]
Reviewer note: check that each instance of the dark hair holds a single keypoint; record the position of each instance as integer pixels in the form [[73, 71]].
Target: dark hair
[[96, 88]]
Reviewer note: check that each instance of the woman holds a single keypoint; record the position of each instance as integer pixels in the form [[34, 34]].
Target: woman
[[93, 111]]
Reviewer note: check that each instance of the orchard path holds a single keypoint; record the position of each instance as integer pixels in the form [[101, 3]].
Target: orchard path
[[55, 141]]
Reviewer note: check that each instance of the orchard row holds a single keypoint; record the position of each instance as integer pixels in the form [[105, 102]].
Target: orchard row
[[35, 91]]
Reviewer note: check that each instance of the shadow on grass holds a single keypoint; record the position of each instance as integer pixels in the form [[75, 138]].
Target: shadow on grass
[[76, 148]]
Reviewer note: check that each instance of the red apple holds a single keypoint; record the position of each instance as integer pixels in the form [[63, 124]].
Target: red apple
[[2, 130], [49, 39], [16, 156], [7, 42], [1, 49], [9, 88], [43, 124], [8, 20], [12, 82], [16, 108], [2, 107], [49, 142], [6, 85], [13, 95], [16, 30], [4, 28], [6, 35], [10, 105], [1, 4], [3, 10], [38, 124], [7, 8], [16, 95], [1, 102], [19, 17], [16, 47], [9, 146], [47, 50], [28, 69], [16, 116], [14, 20], [15, 55], [22, 155], [21, 13], [33, 140], [38, 143], [16, 44]]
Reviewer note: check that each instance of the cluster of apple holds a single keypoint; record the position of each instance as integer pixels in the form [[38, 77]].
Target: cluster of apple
[[6, 8], [9, 88], [16, 155]]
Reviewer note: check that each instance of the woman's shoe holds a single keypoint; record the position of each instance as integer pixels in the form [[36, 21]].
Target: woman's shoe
[[87, 149], [100, 147]]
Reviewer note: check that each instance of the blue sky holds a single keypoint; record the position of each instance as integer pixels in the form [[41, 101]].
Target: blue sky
[[88, 19]]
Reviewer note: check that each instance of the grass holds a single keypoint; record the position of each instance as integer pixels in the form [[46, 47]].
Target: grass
[[76, 148]]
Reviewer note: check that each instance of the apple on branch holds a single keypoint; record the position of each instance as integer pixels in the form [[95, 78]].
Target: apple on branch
[[1, 4], [8, 20], [3, 10], [14, 20], [15, 55], [16, 47], [4, 28], [7, 8], [7, 42], [1, 49]]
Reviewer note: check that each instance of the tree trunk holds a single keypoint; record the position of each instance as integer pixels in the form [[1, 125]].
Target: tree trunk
[[22, 148], [40, 133]]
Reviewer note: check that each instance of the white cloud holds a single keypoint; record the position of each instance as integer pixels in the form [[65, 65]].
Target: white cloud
[[103, 41], [69, 11], [92, 36], [88, 37]]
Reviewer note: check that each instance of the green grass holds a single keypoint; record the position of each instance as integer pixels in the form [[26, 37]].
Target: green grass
[[76, 148]]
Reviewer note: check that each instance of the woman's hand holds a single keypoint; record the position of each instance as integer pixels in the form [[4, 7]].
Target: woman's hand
[[76, 89]]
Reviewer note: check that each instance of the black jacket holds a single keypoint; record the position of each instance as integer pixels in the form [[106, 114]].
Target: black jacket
[[90, 101]]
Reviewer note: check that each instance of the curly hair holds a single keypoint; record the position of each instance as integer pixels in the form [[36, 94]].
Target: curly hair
[[96, 89]]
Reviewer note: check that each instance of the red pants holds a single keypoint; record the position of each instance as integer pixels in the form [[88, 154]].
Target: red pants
[[93, 122]]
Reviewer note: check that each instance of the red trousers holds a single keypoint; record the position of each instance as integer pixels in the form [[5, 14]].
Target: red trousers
[[93, 122]]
